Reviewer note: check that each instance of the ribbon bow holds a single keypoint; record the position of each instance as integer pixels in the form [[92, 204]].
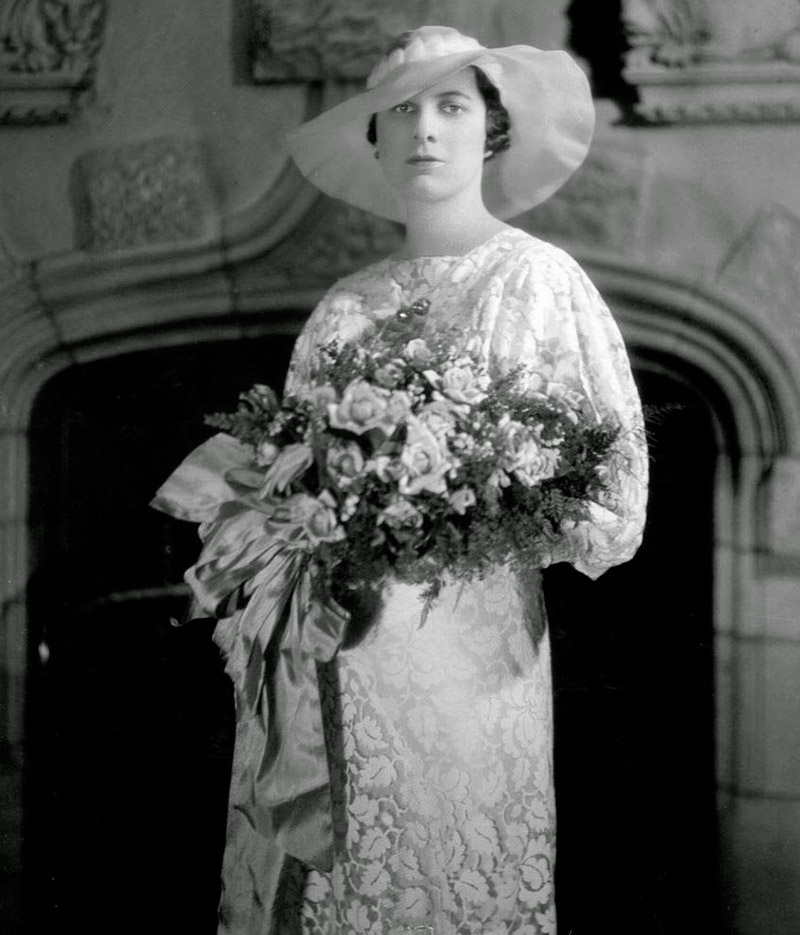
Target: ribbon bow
[[255, 553]]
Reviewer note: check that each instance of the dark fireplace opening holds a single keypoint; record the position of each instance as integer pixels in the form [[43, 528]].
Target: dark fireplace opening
[[633, 674], [131, 718]]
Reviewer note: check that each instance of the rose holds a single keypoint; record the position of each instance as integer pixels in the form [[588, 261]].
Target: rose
[[423, 460], [540, 465], [523, 457], [438, 418], [321, 523], [570, 400], [290, 464], [362, 407], [513, 438], [400, 514], [462, 499], [390, 374], [398, 409], [386, 467], [461, 385], [561, 392], [344, 461], [417, 353]]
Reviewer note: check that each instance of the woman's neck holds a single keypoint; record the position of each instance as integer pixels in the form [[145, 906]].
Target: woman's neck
[[446, 229]]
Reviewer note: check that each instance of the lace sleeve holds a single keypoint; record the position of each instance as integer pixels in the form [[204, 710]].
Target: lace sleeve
[[339, 314], [299, 374], [550, 315]]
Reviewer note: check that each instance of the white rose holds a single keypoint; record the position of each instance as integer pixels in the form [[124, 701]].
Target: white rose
[[424, 461]]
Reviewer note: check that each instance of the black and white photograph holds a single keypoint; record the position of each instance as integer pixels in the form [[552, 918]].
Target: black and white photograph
[[399, 467]]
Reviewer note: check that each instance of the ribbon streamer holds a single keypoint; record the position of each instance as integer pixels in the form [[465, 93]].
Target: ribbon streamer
[[255, 574]]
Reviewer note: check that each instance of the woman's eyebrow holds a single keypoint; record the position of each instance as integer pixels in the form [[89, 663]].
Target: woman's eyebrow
[[454, 93], [441, 95]]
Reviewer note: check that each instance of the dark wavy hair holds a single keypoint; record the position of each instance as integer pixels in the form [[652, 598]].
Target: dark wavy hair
[[498, 121]]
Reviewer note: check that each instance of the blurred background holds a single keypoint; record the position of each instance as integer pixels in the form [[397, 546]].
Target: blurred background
[[158, 253]]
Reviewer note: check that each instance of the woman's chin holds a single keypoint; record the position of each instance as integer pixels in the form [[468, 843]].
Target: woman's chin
[[425, 189]]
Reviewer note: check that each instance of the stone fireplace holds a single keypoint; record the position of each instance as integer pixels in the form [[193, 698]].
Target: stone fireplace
[[690, 230]]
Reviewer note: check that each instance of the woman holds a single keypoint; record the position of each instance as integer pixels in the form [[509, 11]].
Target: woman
[[440, 735]]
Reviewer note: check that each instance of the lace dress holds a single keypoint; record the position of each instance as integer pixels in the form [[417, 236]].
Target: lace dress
[[441, 735]]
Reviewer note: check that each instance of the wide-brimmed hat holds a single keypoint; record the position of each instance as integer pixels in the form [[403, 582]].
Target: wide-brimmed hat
[[545, 93]]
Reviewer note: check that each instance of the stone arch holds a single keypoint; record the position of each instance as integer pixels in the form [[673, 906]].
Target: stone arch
[[745, 374], [688, 329], [71, 310]]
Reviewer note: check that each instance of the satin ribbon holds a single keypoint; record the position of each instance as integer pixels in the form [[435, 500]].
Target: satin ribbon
[[255, 553]]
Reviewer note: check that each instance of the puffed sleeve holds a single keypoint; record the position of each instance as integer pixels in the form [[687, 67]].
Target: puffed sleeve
[[339, 314], [549, 315]]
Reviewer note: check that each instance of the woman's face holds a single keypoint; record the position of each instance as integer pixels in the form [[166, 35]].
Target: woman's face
[[432, 146]]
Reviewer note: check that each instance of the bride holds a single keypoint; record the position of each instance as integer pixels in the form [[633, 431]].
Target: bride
[[439, 736]]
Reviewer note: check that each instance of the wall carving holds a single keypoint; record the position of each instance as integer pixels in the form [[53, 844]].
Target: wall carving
[[144, 193], [762, 267], [17, 299], [341, 240], [306, 40], [48, 51], [714, 60], [601, 205]]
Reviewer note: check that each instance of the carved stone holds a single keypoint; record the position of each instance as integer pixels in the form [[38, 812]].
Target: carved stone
[[600, 206], [16, 292], [714, 60], [306, 40], [342, 240], [762, 268], [144, 193], [48, 51]]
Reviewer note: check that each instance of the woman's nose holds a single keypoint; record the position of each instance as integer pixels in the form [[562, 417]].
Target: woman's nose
[[425, 126]]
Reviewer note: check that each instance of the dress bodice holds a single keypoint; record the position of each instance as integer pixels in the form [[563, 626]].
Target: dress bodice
[[513, 299]]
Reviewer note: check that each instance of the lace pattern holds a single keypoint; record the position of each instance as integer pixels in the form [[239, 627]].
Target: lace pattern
[[518, 299], [447, 799], [441, 736]]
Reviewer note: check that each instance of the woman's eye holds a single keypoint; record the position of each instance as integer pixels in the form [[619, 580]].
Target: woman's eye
[[452, 108], [402, 109]]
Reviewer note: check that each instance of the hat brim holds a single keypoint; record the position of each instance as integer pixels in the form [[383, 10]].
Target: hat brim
[[552, 120]]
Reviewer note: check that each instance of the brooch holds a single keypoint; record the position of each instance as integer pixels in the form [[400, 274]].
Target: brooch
[[420, 307]]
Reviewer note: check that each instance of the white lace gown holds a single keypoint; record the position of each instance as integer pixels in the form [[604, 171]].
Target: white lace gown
[[442, 754]]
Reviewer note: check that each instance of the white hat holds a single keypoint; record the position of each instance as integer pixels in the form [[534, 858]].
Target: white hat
[[545, 93]]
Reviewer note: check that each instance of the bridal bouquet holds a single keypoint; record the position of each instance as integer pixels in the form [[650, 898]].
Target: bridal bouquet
[[400, 457], [407, 458]]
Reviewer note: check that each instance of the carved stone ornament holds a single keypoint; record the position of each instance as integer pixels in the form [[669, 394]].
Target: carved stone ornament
[[714, 60], [48, 51], [342, 240], [601, 205], [16, 294], [762, 268], [140, 194], [305, 40]]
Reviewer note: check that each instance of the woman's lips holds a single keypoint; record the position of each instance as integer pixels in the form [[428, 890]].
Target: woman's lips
[[424, 161]]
